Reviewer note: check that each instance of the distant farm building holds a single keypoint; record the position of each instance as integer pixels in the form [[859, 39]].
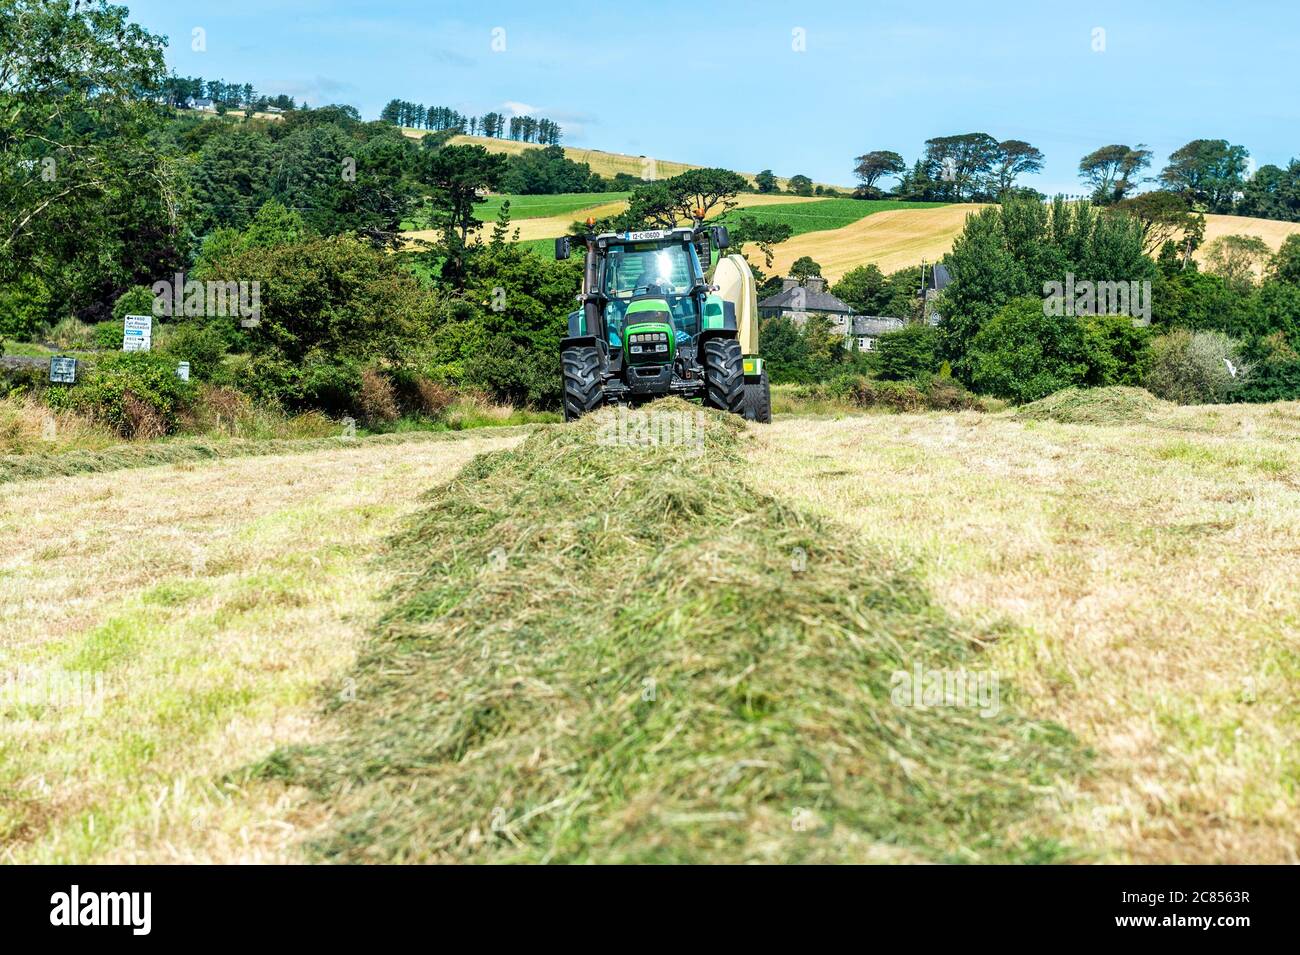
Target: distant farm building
[[797, 302]]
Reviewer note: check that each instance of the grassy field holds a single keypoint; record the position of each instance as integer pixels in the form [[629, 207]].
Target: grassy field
[[722, 693], [1119, 568], [211, 602], [1144, 567], [542, 207]]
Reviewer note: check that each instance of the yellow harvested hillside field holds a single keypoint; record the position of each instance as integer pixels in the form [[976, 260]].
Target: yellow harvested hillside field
[[1273, 232], [892, 240]]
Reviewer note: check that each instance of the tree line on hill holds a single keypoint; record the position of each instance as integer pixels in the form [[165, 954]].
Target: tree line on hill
[[494, 125], [1206, 175], [180, 91]]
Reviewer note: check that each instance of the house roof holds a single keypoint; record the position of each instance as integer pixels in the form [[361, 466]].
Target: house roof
[[806, 300], [940, 277]]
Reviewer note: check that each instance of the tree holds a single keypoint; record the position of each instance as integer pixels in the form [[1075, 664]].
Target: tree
[[1273, 193], [1015, 158], [457, 176], [765, 235], [908, 353], [1285, 266], [1196, 367], [1208, 172], [697, 192], [765, 181], [232, 178], [87, 201], [1163, 216], [804, 267], [694, 193], [546, 172], [881, 162], [986, 276], [328, 307], [800, 185], [1112, 171], [865, 288], [1237, 259], [961, 165]]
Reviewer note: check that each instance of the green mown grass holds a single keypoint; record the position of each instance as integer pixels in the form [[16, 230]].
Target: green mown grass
[[603, 650], [827, 214], [542, 207]]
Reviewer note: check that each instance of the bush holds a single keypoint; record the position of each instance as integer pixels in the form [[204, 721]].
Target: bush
[[1022, 355], [328, 308], [134, 301], [137, 394], [928, 393], [107, 336], [911, 351], [376, 398], [203, 346], [1194, 368], [70, 334]]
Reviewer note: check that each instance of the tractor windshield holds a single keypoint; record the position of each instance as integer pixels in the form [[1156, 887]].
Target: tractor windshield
[[665, 270], [629, 269]]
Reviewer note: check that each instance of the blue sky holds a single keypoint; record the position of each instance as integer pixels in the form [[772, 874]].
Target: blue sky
[[722, 83]]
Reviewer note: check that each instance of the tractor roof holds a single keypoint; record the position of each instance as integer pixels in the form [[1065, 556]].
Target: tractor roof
[[645, 235]]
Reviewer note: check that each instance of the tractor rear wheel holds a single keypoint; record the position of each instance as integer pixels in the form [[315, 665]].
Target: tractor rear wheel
[[758, 400], [724, 375], [582, 384]]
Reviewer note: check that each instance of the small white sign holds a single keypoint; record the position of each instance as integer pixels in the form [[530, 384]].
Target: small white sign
[[183, 371], [137, 333]]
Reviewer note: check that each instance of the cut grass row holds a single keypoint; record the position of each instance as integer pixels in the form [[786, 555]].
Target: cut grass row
[[616, 651], [29, 467]]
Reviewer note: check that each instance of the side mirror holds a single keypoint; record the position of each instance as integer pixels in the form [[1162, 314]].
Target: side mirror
[[720, 237], [561, 248]]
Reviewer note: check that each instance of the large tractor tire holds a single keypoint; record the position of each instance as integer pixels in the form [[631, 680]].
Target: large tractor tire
[[582, 384], [758, 400], [724, 375]]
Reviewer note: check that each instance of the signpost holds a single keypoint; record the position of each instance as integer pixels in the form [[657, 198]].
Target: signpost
[[183, 371], [137, 333], [63, 371]]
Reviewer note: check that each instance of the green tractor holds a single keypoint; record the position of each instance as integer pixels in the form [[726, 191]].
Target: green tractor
[[651, 324]]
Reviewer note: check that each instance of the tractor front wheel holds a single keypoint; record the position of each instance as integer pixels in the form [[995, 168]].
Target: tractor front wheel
[[582, 384], [724, 375], [758, 400]]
